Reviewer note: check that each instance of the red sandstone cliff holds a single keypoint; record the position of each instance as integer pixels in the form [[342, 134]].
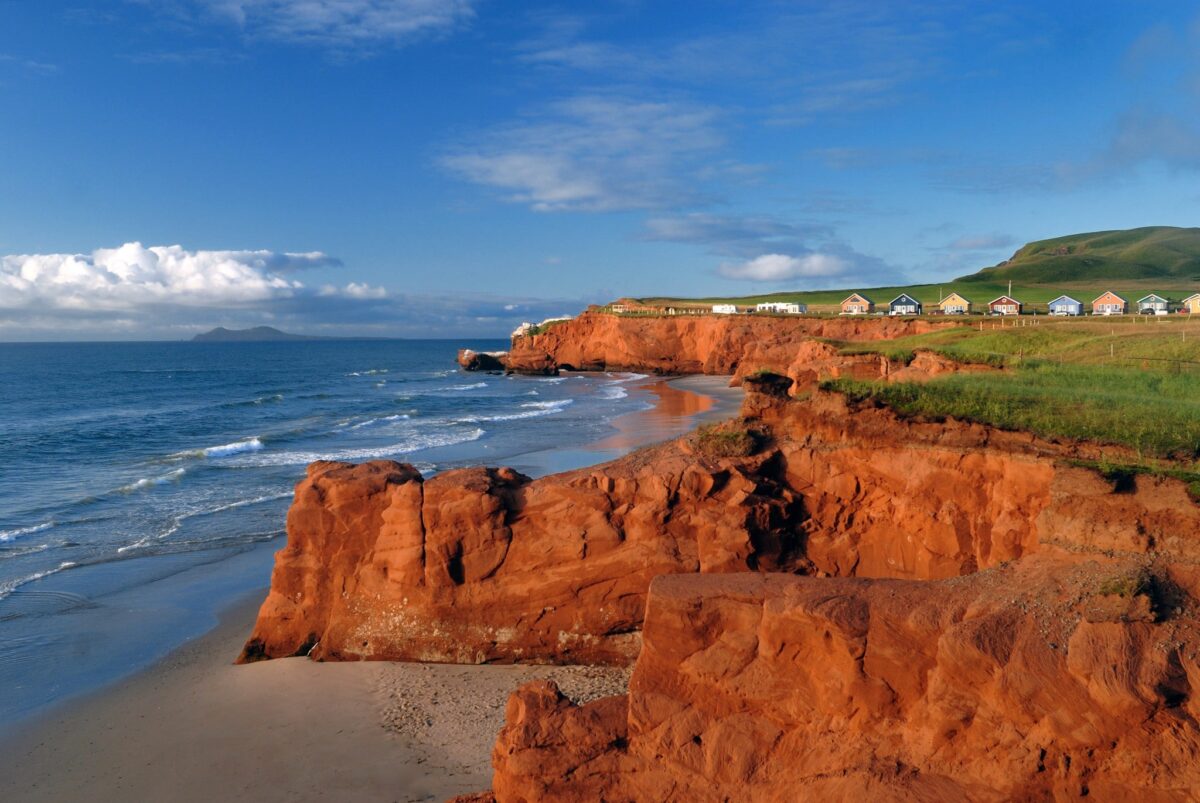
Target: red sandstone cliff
[[709, 344], [1054, 678], [485, 564], [480, 565], [905, 610]]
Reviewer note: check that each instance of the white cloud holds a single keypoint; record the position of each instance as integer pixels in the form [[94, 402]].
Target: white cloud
[[333, 23], [362, 290], [133, 276], [781, 267], [168, 292], [594, 153]]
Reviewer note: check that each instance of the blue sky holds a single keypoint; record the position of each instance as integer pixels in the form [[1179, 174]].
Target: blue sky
[[450, 168]]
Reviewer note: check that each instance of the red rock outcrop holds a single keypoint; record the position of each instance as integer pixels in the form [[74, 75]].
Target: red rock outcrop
[[480, 564], [1051, 679], [694, 344], [471, 360], [488, 565], [809, 362]]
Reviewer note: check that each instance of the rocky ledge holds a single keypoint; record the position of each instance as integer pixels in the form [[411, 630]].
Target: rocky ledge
[[1053, 678], [485, 564], [824, 601]]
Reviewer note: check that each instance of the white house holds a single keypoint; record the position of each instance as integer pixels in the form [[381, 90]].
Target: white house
[[781, 306], [724, 309]]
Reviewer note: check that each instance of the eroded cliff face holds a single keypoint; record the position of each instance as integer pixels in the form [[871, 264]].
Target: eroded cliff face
[[1056, 677], [482, 564], [866, 607], [710, 344], [982, 621], [479, 565]]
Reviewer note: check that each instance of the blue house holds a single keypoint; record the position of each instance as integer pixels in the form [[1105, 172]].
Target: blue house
[[1065, 305], [904, 304]]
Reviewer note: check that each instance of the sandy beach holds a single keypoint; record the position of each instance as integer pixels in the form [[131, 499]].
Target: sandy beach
[[196, 727]]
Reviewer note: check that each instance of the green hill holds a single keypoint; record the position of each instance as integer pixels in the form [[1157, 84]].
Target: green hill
[[1133, 262], [1152, 253]]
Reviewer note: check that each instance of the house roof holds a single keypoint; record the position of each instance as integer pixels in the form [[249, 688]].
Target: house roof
[[1066, 298], [1151, 297], [1189, 298], [1120, 298], [953, 296], [905, 295], [1003, 298], [858, 297]]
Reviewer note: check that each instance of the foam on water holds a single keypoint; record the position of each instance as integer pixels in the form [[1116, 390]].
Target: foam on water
[[534, 410], [557, 404], [459, 388], [9, 587], [149, 482], [10, 535], [386, 418], [418, 442]]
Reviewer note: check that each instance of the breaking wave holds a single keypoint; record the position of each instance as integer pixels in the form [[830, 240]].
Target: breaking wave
[[10, 535], [416, 443], [531, 410], [149, 482]]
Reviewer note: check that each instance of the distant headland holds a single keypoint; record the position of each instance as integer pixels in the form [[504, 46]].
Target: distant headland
[[262, 334]]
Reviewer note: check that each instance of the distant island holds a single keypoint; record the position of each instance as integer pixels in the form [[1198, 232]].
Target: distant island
[[257, 334]]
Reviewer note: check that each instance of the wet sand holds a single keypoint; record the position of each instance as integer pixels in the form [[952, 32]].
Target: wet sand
[[194, 727]]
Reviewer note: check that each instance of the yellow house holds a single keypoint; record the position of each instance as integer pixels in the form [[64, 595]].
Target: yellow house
[[1191, 304], [954, 304]]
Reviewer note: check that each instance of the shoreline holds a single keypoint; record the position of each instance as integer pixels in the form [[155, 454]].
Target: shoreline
[[193, 726]]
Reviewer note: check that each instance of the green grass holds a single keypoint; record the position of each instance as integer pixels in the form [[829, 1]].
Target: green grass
[[725, 439], [1154, 253], [1118, 341], [1155, 412], [1127, 584], [537, 329]]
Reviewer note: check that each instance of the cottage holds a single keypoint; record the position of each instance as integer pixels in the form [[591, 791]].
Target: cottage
[[1191, 304], [954, 304], [1005, 305], [1153, 304], [781, 306], [904, 304], [1065, 305], [1109, 304], [857, 304], [724, 309]]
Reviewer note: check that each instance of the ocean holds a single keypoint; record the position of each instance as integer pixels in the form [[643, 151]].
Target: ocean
[[144, 486]]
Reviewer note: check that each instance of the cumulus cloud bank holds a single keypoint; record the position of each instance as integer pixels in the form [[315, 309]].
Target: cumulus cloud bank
[[134, 276], [169, 292]]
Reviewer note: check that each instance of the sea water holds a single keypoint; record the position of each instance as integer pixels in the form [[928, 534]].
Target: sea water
[[144, 486]]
